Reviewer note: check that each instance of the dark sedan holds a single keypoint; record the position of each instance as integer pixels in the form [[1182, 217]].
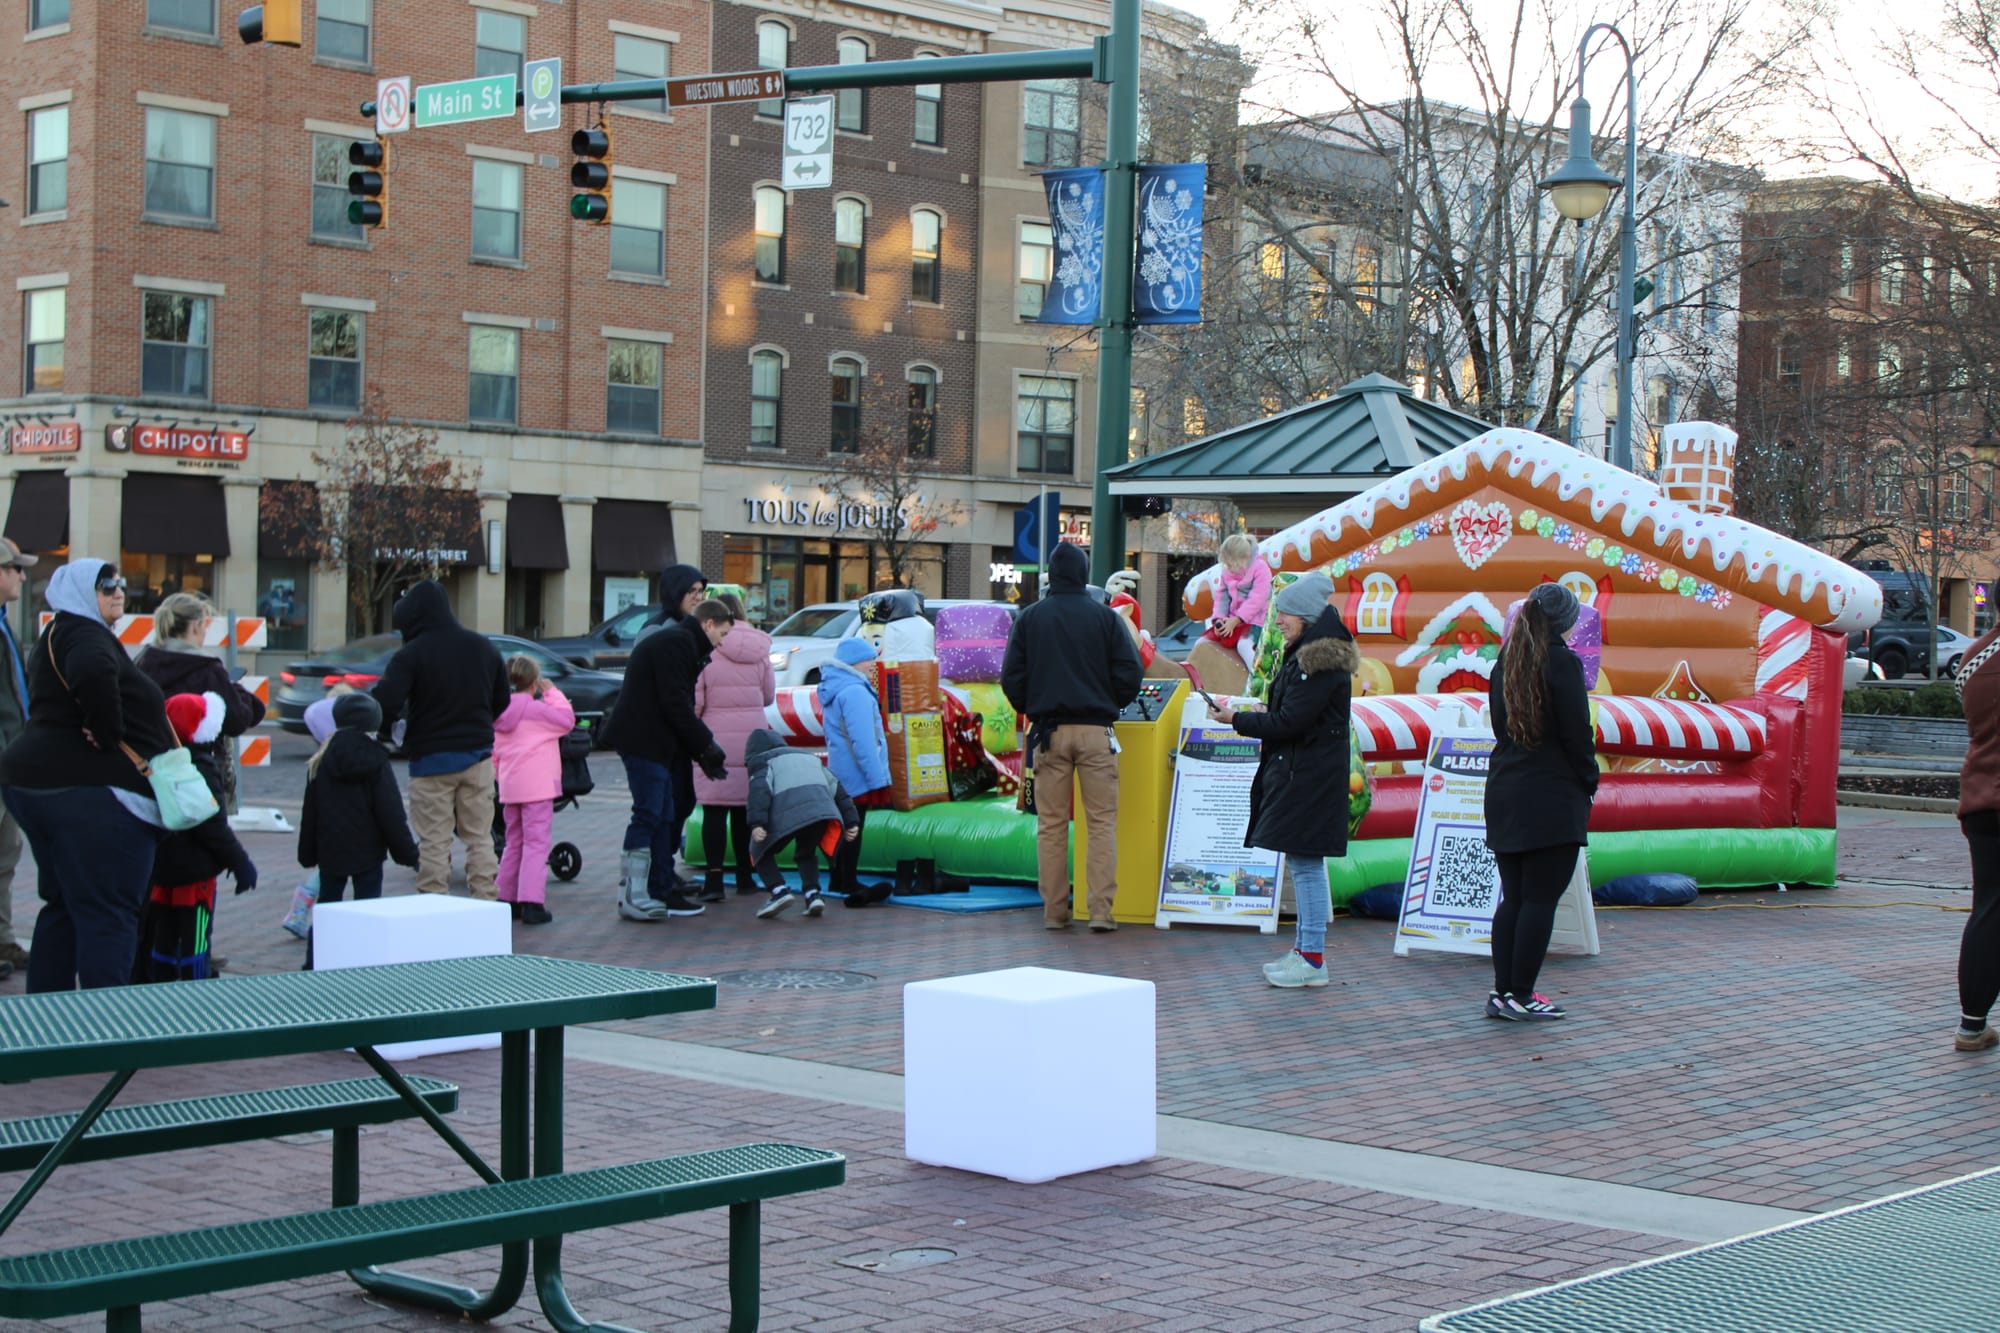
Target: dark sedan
[[608, 643], [361, 662]]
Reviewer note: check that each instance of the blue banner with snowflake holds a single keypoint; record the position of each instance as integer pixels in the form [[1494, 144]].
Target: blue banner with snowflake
[[1076, 217], [1167, 281]]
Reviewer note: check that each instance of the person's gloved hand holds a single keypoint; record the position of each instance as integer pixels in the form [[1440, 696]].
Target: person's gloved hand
[[711, 763], [245, 874]]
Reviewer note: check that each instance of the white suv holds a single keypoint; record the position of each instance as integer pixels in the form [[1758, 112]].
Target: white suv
[[805, 640]]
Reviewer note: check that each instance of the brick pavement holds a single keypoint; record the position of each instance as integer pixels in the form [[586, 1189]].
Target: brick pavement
[[1771, 1051]]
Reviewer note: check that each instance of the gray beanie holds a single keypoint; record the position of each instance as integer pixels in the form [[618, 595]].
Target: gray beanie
[[1556, 602], [1305, 598], [357, 712]]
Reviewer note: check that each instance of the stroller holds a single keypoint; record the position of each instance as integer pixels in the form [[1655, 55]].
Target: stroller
[[565, 858]]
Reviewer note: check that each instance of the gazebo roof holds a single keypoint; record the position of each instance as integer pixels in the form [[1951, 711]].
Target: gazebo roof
[[1369, 429]]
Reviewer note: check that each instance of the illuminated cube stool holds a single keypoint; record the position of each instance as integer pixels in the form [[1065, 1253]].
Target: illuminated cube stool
[[1028, 1073], [417, 928]]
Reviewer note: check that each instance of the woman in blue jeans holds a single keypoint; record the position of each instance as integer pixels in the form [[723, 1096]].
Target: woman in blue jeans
[[1298, 802], [79, 798]]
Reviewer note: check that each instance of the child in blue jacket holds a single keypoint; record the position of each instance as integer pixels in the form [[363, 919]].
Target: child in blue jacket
[[857, 749]]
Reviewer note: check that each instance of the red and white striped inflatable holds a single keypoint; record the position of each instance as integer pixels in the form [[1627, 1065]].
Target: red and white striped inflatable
[[796, 716], [1784, 644], [1398, 726]]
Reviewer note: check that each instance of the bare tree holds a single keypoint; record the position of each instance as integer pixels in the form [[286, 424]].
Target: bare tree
[[884, 476], [391, 507]]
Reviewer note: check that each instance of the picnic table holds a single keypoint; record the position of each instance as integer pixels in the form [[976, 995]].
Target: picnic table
[[526, 1205]]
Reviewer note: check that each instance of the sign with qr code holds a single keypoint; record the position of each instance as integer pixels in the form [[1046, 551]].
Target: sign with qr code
[[1208, 875], [1453, 885]]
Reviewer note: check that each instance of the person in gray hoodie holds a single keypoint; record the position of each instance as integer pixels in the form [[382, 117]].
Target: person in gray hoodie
[[794, 798]]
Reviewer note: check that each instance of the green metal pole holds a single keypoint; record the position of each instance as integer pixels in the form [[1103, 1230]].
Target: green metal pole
[[1114, 318]]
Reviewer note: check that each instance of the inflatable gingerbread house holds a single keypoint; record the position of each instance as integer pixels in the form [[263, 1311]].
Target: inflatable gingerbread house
[[1717, 695]]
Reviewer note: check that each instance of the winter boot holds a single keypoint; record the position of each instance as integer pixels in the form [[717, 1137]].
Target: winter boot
[[634, 903], [927, 876], [906, 878], [714, 888]]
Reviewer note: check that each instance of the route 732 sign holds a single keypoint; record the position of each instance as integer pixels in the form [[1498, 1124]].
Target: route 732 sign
[[808, 161]]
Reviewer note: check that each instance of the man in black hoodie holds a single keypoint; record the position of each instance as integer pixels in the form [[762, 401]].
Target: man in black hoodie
[[452, 684], [1070, 667], [682, 589]]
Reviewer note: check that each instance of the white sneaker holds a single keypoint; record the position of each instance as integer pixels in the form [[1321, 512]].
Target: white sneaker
[[1295, 971], [1279, 961]]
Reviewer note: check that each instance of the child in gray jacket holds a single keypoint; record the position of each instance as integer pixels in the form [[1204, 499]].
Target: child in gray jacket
[[793, 799]]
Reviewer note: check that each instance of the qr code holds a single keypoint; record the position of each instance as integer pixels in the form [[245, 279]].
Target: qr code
[[1462, 873]]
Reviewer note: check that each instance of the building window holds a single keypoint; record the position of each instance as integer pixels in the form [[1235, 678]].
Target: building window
[[196, 16], [1194, 417], [1659, 400], [495, 379], [1319, 288], [926, 239], [48, 160], [640, 58], [1889, 487], [1889, 283], [1045, 424], [770, 234], [1888, 363], [1140, 429], [1790, 363], [929, 126], [180, 164], [1052, 116], [44, 339], [1367, 277], [47, 13], [329, 187], [774, 51], [1792, 270], [498, 43], [850, 245], [850, 105], [333, 358], [340, 32], [1845, 279], [496, 209], [1955, 493], [1035, 269], [923, 411], [1959, 288], [174, 343], [639, 228], [632, 393], [767, 384], [1843, 363], [845, 437]]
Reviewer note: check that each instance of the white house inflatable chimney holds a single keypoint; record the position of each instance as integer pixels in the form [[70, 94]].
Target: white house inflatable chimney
[[1698, 466]]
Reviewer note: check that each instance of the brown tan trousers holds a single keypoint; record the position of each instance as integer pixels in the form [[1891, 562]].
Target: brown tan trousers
[[1085, 752]]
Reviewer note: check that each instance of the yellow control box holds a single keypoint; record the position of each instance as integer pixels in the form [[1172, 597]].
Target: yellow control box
[[1148, 732]]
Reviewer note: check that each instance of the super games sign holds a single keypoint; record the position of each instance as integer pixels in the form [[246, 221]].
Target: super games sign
[[824, 515]]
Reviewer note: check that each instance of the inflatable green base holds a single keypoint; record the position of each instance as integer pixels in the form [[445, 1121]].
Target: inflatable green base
[[989, 840]]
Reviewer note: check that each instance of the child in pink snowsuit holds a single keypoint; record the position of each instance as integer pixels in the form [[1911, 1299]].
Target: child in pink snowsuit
[[529, 764], [1245, 597]]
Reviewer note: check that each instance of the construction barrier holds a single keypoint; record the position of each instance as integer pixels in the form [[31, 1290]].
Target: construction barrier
[[133, 631]]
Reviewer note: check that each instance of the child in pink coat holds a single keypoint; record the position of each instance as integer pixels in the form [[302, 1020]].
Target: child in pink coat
[[730, 696], [528, 760], [1245, 598]]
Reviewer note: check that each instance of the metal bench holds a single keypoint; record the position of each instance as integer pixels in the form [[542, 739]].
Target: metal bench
[[115, 1276]]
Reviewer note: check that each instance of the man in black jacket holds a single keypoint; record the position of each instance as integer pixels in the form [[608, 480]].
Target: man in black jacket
[[682, 589], [453, 684], [1070, 667], [654, 727]]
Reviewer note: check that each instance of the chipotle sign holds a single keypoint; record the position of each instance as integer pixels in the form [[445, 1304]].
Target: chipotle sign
[[55, 437], [232, 446]]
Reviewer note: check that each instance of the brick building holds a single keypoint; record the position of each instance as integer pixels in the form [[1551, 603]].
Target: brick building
[[182, 259]]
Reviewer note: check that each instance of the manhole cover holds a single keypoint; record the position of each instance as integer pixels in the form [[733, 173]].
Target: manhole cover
[[897, 1261], [796, 978]]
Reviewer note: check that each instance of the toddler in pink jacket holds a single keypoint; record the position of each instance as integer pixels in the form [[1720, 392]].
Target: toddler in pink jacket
[[528, 760], [1245, 598]]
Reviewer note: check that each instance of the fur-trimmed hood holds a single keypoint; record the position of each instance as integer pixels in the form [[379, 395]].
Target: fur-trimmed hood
[[1315, 655]]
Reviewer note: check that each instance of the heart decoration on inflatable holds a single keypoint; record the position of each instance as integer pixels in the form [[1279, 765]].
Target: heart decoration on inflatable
[[1480, 530]]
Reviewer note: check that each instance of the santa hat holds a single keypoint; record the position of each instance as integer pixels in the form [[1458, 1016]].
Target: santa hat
[[196, 718]]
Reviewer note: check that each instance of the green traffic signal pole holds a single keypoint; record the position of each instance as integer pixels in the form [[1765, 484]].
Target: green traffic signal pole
[[1112, 60]]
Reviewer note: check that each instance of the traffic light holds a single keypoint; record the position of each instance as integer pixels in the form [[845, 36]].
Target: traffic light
[[370, 184], [274, 21], [591, 175]]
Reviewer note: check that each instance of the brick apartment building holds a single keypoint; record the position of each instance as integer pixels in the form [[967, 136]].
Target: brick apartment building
[[183, 261]]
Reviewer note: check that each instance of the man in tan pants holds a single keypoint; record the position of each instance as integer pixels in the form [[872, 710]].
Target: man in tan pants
[[1070, 668]]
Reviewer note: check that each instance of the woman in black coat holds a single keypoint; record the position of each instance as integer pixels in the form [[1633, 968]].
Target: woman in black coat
[[1298, 802], [1539, 787], [178, 663]]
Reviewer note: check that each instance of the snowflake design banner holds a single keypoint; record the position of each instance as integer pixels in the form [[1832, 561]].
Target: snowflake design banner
[[1167, 289], [1076, 216]]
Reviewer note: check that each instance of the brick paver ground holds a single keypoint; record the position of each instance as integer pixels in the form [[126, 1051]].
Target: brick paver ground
[[1781, 1049]]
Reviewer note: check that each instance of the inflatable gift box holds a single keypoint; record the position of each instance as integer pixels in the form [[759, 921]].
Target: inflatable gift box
[[1000, 725], [971, 641]]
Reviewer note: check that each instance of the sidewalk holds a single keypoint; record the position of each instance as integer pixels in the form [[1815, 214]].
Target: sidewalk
[[1779, 1052]]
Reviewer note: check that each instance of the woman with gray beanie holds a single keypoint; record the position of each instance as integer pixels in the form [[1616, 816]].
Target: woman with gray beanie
[[1298, 801], [1539, 787]]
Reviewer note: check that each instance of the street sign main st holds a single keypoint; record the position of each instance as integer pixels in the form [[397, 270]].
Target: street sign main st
[[808, 158], [454, 103], [751, 85]]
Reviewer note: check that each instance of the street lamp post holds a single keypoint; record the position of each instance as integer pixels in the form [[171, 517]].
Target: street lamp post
[[1580, 189]]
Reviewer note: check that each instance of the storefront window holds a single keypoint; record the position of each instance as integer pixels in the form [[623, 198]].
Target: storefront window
[[284, 599], [782, 575], [151, 579]]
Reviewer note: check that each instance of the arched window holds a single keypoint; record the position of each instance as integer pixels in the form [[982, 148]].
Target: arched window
[[923, 411], [767, 385], [846, 425], [770, 232], [851, 104], [850, 245], [1375, 613], [774, 51], [926, 240]]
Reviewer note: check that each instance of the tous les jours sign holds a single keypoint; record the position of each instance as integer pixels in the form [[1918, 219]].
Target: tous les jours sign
[[231, 446]]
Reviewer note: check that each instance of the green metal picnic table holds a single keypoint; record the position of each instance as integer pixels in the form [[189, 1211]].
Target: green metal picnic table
[[121, 1031]]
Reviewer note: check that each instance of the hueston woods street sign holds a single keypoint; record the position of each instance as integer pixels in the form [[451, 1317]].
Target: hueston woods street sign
[[752, 85]]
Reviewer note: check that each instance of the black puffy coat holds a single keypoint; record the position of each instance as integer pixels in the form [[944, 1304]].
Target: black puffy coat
[[1298, 803], [448, 679], [655, 717], [206, 850], [1541, 797], [353, 815], [105, 693]]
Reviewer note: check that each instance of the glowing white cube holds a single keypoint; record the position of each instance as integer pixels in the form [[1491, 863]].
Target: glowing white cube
[[414, 928]]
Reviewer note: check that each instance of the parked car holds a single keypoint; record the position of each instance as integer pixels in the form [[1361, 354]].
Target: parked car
[[361, 662], [1179, 639], [805, 640], [606, 644], [1897, 648]]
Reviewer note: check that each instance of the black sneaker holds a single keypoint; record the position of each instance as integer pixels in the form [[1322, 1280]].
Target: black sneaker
[[1534, 1009], [814, 903], [535, 914], [1495, 1007], [679, 904], [781, 902]]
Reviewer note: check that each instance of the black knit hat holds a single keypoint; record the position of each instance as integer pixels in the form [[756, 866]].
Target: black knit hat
[[357, 712]]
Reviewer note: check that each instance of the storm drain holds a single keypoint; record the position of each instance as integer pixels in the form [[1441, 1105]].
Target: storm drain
[[898, 1261], [796, 978]]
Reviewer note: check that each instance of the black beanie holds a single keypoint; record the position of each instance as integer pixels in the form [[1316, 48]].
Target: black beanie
[[357, 712]]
